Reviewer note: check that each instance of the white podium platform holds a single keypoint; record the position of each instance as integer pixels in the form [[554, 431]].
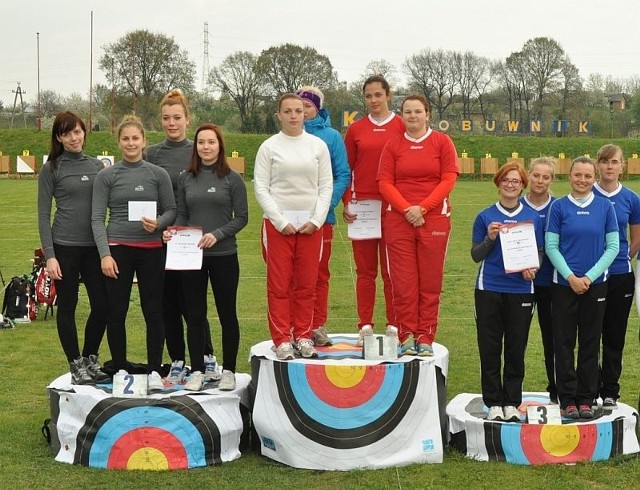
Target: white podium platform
[[174, 429], [340, 412], [610, 433]]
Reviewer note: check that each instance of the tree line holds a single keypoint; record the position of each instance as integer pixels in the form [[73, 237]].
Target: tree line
[[539, 82]]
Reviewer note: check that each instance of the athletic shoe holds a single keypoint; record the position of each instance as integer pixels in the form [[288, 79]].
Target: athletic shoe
[[511, 414], [366, 330], [570, 412], [408, 347], [211, 369], [495, 414], [284, 352], [392, 331], [79, 372], [553, 398], [228, 381], [95, 370], [585, 412], [154, 382], [609, 402], [195, 381], [425, 350], [177, 373], [305, 348], [320, 336]]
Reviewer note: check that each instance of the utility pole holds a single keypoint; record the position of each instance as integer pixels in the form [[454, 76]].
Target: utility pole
[[205, 58], [19, 93]]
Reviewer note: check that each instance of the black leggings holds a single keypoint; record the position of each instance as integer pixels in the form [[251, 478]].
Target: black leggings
[[223, 273], [79, 263], [148, 266]]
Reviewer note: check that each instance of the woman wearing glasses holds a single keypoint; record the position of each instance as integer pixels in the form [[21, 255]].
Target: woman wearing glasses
[[581, 241], [621, 283], [503, 300]]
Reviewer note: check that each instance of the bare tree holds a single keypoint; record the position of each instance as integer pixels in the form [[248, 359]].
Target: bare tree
[[433, 74], [571, 85], [288, 67], [146, 66], [237, 76], [470, 72]]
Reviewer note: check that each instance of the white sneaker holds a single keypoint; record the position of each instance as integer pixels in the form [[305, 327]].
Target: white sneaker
[[392, 331], [177, 373], [495, 413], [306, 349], [365, 330], [195, 381], [228, 381], [211, 369], [511, 414], [154, 382], [284, 352]]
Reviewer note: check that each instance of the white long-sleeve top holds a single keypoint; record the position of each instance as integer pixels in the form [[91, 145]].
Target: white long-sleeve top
[[293, 173]]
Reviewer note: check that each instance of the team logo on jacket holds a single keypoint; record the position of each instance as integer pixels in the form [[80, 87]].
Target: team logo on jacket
[[211, 189], [139, 188], [84, 178]]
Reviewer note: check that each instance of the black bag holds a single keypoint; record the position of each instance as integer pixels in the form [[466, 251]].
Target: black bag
[[17, 298]]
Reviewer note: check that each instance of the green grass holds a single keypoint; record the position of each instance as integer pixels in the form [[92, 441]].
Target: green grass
[[31, 356]]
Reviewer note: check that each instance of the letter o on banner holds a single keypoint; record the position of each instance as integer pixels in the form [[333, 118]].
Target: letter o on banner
[[443, 126]]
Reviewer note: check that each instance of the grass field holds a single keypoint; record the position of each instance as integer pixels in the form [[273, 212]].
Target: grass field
[[31, 356]]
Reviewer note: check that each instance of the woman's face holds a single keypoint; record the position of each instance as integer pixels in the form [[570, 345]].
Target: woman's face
[[376, 99], [540, 178], [511, 185], [174, 122], [310, 111], [131, 143], [415, 116], [291, 116], [582, 178], [208, 146], [73, 140], [611, 168]]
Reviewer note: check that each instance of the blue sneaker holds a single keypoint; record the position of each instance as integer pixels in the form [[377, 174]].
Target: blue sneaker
[[408, 347], [425, 350]]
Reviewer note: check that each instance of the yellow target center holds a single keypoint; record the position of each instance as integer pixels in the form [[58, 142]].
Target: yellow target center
[[147, 458], [345, 376], [560, 440]]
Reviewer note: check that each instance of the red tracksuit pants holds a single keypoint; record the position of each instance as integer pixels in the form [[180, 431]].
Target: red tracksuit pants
[[416, 267], [290, 259], [365, 255]]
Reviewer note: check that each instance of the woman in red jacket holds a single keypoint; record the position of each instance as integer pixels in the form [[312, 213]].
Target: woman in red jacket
[[417, 172]]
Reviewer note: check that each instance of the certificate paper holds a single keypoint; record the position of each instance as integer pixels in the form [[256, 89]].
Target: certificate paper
[[519, 247], [367, 225], [142, 209], [296, 218], [183, 253]]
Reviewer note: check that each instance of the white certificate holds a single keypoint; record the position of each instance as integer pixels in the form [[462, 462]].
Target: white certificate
[[367, 224], [296, 218], [519, 247], [142, 209], [183, 253]]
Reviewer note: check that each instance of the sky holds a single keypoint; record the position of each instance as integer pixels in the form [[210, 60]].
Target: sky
[[599, 38]]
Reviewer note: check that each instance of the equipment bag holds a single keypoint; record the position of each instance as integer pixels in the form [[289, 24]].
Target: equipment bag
[[17, 298]]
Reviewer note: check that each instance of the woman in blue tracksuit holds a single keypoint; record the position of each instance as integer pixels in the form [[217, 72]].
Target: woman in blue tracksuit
[[621, 283], [318, 123], [581, 240]]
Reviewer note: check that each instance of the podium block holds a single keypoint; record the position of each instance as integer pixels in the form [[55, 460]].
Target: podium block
[[466, 165], [341, 412]]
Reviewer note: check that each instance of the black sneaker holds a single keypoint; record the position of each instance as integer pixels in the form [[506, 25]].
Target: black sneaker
[[609, 402], [79, 373], [585, 411], [95, 370]]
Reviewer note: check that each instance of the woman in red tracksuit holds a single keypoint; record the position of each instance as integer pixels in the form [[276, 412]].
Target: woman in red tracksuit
[[417, 172], [364, 140]]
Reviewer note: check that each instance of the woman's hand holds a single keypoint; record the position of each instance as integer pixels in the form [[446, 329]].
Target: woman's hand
[[207, 241], [149, 224], [529, 274], [493, 229], [53, 268], [413, 214], [308, 228], [348, 216], [166, 235], [579, 285], [289, 230], [109, 267]]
